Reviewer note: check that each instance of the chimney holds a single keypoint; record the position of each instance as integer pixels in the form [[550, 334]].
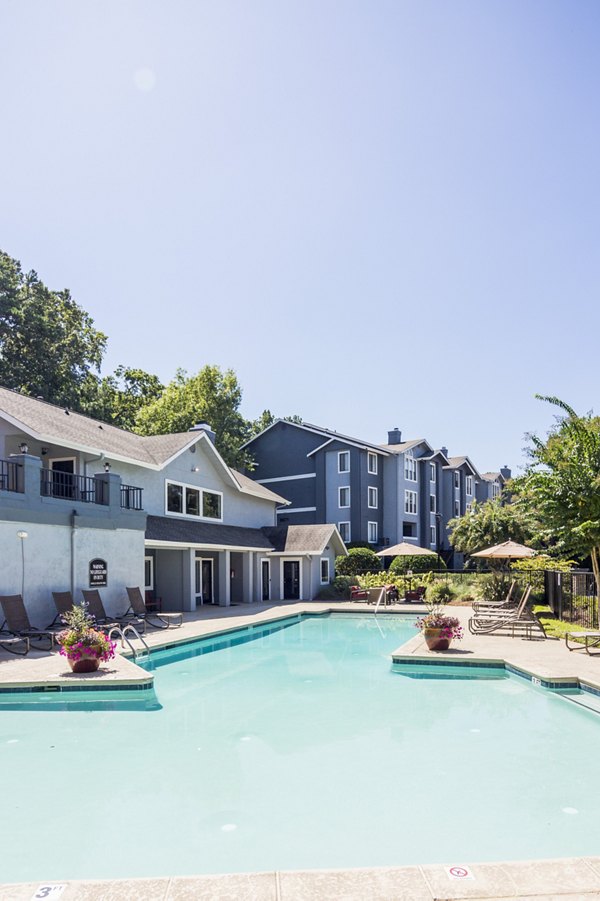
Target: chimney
[[444, 450], [506, 472], [204, 427], [395, 436]]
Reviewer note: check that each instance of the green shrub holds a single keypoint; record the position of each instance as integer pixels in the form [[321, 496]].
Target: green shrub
[[337, 590], [440, 593], [417, 564], [359, 560]]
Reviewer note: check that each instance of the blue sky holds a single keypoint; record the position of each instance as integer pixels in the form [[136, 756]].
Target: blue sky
[[378, 214]]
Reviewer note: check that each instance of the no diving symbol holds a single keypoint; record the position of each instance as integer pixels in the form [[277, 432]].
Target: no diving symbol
[[459, 873]]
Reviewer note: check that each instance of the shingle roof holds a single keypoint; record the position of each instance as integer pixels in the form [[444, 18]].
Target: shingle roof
[[252, 487], [167, 528], [58, 425], [327, 433], [492, 476], [403, 446], [291, 539]]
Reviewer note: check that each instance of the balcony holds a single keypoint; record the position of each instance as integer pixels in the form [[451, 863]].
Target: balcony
[[86, 489], [131, 498]]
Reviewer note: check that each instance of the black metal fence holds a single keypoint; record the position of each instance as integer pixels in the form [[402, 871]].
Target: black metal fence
[[67, 486], [11, 476], [572, 597], [131, 498]]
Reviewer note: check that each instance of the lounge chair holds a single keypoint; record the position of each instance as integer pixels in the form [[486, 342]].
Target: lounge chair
[[522, 618], [63, 601], [506, 603], [154, 619], [9, 644], [591, 639], [16, 622], [96, 609]]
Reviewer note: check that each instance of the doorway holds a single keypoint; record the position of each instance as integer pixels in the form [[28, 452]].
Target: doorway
[[265, 584], [63, 477], [204, 581], [291, 580]]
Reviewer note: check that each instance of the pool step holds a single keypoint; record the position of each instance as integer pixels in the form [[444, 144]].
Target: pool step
[[582, 699]]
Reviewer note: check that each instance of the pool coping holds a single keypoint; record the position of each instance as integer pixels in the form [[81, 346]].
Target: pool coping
[[570, 879]]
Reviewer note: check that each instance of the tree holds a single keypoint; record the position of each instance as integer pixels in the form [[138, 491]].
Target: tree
[[48, 344], [266, 419], [359, 560], [210, 396], [490, 523], [562, 483], [118, 398]]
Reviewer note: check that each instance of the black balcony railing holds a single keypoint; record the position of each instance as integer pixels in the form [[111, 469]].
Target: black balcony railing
[[131, 498], [11, 476], [67, 486]]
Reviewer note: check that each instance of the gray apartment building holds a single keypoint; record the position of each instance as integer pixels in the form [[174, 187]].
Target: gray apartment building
[[376, 493]]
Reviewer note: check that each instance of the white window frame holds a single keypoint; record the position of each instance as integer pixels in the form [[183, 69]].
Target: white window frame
[[324, 581], [150, 560], [344, 453], [456, 508], [410, 468], [456, 479], [432, 503], [433, 536], [411, 498], [340, 489], [432, 472], [201, 491], [341, 531], [468, 507], [371, 459], [372, 526], [495, 490], [371, 506], [469, 485]]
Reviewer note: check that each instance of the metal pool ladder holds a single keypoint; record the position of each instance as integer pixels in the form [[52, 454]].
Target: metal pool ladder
[[122, 631], [379, 599]]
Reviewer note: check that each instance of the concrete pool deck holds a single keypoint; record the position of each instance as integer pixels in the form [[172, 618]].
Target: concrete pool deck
[[568, 879]]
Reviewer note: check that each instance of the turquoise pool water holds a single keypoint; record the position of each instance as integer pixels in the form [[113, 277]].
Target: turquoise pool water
[[299, 749]]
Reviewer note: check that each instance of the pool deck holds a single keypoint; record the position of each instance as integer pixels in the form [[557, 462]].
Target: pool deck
[[547, 660]]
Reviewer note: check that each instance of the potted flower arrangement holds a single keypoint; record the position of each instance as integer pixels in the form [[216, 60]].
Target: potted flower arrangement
[[439, 629], [82, 644]]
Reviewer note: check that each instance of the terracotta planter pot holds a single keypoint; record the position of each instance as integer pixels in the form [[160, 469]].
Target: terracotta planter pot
[[434, 640], [88, 663]]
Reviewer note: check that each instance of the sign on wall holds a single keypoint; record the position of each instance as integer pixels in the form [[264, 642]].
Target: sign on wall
[[98, 573]]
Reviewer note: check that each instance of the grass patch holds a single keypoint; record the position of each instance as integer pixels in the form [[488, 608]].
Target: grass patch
[[556, 628]]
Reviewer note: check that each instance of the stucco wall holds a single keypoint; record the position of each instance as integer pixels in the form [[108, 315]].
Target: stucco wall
[[47, 553]]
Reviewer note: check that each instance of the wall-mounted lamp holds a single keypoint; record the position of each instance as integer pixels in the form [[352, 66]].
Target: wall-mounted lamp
[[44, 451], [195, 469], [23, 447], [106, 466], [22, 535]]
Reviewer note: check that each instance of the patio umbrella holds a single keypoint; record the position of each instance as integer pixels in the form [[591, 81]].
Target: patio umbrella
[[405, 549], [508, 550]]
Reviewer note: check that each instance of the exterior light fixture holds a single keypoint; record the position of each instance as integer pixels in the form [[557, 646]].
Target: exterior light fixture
[[195, 469], [23, 447], [21, 534], [106, 466], [44, 451]]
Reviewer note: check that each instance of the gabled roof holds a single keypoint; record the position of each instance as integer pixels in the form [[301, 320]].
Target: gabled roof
[[457, 462], [304, 539], [405, 445], [329, 434], [493, 477], [435, 455], [50, 424]]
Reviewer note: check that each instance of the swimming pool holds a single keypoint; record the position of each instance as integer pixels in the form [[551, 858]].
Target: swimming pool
[[301, 748]]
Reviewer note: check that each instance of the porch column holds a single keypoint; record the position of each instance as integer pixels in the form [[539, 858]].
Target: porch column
[[248, 577], [188, 580], [224, 579]]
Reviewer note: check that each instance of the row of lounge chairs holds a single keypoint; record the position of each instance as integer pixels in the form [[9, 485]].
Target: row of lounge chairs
[[507, 615], [18, 636]]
